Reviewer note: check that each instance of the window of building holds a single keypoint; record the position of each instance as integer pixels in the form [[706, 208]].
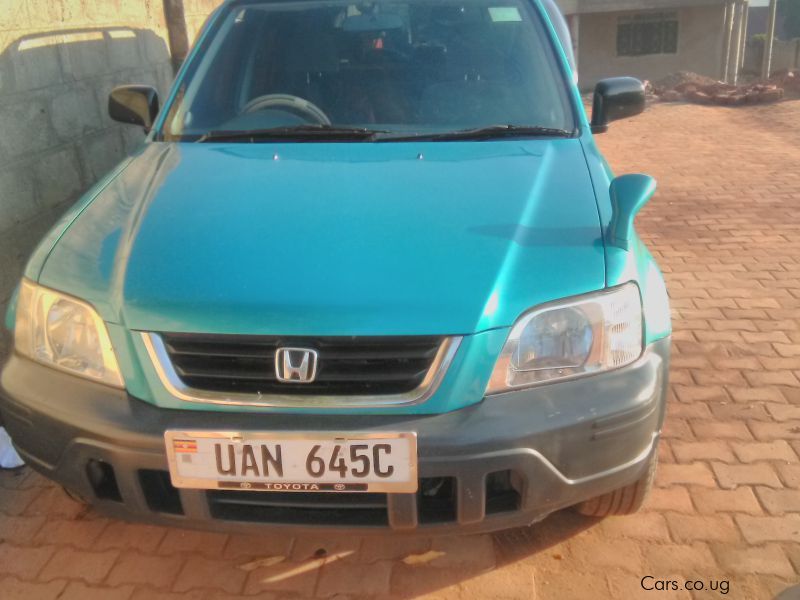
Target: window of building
[[647, 33]]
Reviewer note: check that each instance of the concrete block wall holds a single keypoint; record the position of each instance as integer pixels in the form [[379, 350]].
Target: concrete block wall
[[59, 59], [785, 55], [196, 13]]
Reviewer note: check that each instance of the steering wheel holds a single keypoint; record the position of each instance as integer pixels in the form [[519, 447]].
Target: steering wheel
[[293, 104]]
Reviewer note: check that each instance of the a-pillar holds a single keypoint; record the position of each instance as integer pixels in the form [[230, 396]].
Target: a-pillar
[[574, 22]]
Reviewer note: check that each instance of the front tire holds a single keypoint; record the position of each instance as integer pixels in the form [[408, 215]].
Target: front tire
[[624, 501]]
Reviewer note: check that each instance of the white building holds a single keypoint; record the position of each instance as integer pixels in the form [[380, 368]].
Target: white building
[[650, 39]]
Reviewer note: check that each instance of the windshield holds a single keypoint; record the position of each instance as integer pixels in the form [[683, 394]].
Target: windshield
[[393, 68]]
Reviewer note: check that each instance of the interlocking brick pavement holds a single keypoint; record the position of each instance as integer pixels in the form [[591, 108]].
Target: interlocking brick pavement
[[725, 226]]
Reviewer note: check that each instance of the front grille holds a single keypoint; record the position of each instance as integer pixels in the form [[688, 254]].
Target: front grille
[[159, 493], [347, 366], [300, 508], [437, 502]]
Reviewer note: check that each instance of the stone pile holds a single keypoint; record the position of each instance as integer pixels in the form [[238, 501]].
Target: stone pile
[[691, 87], [789, 80]]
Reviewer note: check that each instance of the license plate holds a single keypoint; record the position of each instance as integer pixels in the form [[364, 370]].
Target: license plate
[[281, 462]]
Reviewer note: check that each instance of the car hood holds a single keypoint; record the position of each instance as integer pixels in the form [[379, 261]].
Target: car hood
[[335, 239]]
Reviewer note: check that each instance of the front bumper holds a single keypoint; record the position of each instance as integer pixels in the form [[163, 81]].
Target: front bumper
[[549, 447]]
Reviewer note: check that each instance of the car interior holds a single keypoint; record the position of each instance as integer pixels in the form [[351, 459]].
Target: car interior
[[400, 66]]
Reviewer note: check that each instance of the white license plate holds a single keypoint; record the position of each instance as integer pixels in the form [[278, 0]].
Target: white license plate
[[308, 462]]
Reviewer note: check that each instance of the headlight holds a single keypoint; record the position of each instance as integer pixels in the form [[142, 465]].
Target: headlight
[[64, 333], [590, 334]]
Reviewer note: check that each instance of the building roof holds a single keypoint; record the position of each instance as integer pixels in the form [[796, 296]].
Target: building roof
[[570, 7]]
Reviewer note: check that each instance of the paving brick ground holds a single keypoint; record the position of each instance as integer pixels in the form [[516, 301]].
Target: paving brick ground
[[726, 229]]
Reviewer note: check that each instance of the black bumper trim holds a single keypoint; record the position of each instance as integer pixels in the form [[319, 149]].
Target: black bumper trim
[[565, 442]]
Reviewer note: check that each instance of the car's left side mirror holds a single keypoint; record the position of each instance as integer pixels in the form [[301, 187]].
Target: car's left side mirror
[[134, 104], [616, 98], [629, 193]]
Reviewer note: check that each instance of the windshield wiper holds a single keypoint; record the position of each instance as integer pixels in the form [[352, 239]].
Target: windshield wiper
[[492, 132], [294, 132]]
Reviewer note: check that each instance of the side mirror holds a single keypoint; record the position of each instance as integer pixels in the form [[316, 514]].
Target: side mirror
[[629, 193], [134, 104], [616, 98]]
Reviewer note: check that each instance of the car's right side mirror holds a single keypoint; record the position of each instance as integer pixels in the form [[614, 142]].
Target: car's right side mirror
[[629, 193], [616, 98], [134, 104]]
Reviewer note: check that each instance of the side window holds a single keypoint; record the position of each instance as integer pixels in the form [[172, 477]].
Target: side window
[[647, 33], [562, 30]]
